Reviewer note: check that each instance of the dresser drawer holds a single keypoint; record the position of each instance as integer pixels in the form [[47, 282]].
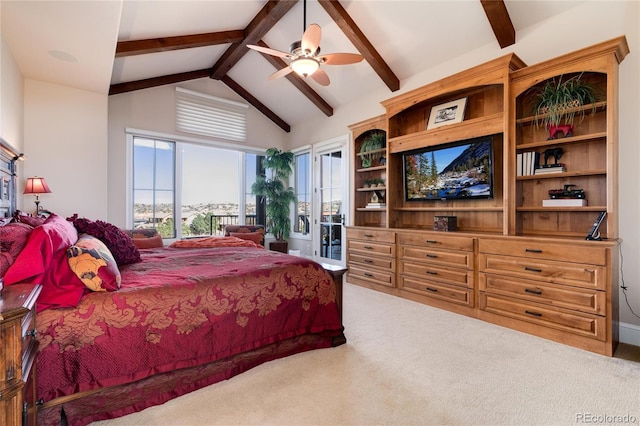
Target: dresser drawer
[[437, 290], [583, 300], [570, 252], [379, 235], [434, 240], [574, 274], [365, 261], [436, 257], [438, 273], [592, 326], [381, 249], [28, 330], [379, 277]]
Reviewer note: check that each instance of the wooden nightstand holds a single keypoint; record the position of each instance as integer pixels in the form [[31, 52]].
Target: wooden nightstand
[[18, 346]]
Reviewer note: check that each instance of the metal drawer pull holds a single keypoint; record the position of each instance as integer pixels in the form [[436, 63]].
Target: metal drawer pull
[[433, 256], [431, 241], [435, 290], [368, 247], [533, 291], [527, 268], [432, 273], [369, 235], [368, 261], [533, 250], [535, 314], [366, 274]]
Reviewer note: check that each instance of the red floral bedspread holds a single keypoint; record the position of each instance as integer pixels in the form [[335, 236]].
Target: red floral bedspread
[[182, 308]]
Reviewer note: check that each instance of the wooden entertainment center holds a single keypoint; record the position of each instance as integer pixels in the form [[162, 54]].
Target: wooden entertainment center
[[511, 261]]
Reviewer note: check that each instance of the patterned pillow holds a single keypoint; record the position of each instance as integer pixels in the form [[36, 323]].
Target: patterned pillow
[[13, 237], [29, 220], [90, 259], [119, 243]]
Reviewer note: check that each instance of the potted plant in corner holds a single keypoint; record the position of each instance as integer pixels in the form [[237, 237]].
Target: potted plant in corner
[[557, 102], [278, 195]]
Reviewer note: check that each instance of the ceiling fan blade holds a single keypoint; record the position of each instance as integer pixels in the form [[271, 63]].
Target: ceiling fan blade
[[311, 38], [269, 51], [280, 73], [320, 77], [340, 58]]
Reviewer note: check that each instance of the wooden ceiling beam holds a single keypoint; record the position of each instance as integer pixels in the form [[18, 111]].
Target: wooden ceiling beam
[[147, 83], [255, 103], [360, 41], [500, 21], [260, 25], [165, 44], [298, 82]]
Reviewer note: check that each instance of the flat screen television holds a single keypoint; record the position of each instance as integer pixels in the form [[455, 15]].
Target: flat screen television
[[460, 170]]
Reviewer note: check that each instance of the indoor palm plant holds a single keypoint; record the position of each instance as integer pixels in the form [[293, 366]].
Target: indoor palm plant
[[277, 194], [558, 101]]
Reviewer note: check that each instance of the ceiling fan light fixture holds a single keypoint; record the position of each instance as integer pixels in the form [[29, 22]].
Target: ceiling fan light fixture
[[304, 66]]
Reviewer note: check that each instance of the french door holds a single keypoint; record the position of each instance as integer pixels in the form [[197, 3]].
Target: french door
[[331, 186]]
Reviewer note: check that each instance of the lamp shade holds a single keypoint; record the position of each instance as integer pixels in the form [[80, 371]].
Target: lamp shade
[[36, 185]]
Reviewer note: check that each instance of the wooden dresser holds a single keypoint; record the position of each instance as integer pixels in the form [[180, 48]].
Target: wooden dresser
[[533, 248], [371, 258], [17, 354]]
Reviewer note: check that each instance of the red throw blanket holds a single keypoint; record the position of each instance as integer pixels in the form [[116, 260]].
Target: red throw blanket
[[182, 308]]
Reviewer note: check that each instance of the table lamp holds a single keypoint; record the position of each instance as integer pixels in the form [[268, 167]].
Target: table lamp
[[36, 186]]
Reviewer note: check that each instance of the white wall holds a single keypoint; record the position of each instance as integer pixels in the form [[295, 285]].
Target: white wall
[[588, 23], [65, 140], [154, 110]]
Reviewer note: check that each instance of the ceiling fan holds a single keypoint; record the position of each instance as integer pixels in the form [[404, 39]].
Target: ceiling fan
[[305, 55]]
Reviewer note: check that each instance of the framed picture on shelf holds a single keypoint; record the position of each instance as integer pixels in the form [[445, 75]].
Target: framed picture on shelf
[[447, 113]]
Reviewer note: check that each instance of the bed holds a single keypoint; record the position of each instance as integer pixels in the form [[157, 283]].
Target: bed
[[177, 320]]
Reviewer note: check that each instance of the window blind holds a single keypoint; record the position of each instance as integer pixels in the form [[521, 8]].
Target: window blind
[[207, 115]]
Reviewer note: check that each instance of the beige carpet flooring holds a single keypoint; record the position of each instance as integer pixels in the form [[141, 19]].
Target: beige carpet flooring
[[410, 364]]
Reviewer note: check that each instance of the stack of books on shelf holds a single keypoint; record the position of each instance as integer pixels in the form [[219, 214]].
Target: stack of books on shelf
[[527, 163], [551, 168], [376, 205], [565, 202]]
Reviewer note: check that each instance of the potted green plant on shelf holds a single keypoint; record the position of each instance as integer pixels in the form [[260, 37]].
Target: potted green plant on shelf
[[374, 142], [557, 102], [278, 195]]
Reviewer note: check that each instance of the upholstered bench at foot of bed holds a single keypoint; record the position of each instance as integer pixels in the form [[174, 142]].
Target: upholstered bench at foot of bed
[[254, 233], [145, 237]]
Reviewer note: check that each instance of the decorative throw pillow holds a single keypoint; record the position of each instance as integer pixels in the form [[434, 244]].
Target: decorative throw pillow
[[44, 260], [256, 237], [29, 220], [13, 237], [91, 260], [119, 243]]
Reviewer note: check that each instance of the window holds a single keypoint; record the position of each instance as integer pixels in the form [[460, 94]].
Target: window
[[201, 187], [154, 185], [254, 211], [302, 188]]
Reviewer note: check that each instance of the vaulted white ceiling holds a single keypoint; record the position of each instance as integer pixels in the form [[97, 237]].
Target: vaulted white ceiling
[[73, 43]]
